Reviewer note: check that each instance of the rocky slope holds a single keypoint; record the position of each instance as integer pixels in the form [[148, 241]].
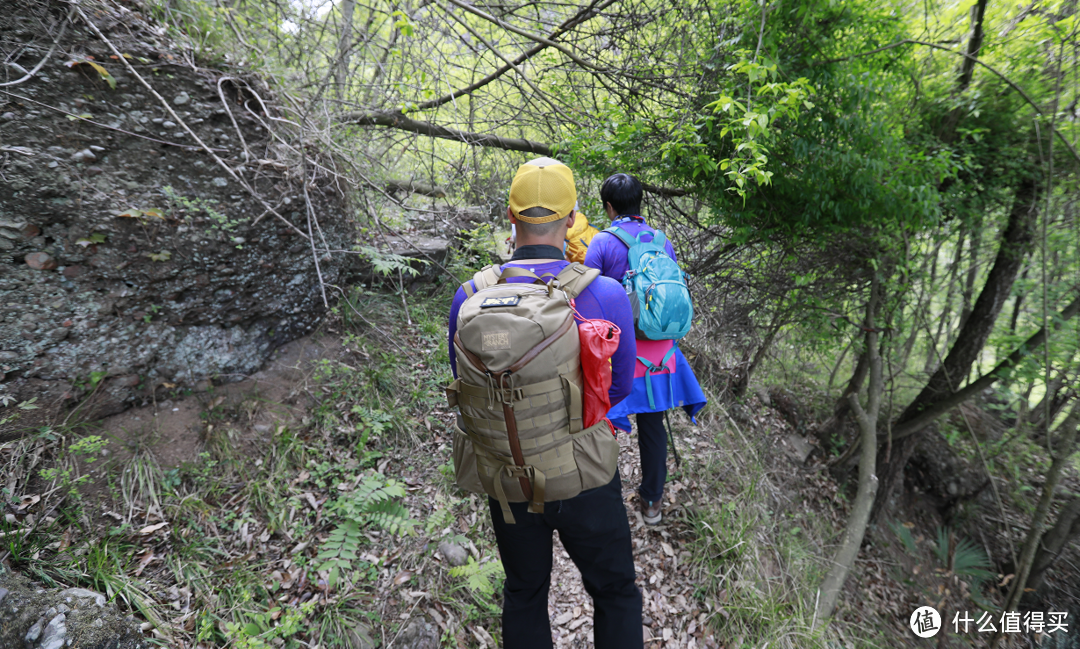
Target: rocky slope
[[129, 259]]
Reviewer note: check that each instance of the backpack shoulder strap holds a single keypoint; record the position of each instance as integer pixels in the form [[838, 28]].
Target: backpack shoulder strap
[[485, 277], [575, 278], [623, 235]]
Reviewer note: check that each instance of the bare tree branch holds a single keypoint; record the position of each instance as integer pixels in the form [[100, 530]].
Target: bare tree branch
[[583, 15]]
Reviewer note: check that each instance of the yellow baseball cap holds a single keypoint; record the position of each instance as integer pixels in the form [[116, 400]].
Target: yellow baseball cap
[[543, 182]]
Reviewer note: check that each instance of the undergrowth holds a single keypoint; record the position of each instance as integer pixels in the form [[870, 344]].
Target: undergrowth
[[320, 531]]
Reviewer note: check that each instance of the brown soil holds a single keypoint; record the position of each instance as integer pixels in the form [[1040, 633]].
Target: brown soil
[[173, 430]]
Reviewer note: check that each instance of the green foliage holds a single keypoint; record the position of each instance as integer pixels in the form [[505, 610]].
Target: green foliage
[[903, 532], [964, 558], [88, 447], [387, 263], [481, 578], [263, 632], [372, 504], [732, 136], [183, 207]]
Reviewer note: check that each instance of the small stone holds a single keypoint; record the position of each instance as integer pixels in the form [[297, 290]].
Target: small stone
[[219, 182], [30, 230], [181, 99], [454, 553], [59, 333], [35, 632], [168, 124], [3, 593], [262, 428], [8, 116], [64, 608], [97, 149], [53, 165], [798, 448], [82, 593], [72, 272], [40, 261], [67, 323], [94, 171], [55, 633], [129, 381], [86, 155]]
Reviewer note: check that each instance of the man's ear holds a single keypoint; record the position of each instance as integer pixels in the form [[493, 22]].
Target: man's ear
[[510, 215], [570, 219]]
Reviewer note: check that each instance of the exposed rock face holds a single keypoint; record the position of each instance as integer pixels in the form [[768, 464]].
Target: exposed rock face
[[39, 618], [125, 250]]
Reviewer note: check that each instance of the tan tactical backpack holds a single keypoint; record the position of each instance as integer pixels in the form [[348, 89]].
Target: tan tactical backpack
[[519, 390]]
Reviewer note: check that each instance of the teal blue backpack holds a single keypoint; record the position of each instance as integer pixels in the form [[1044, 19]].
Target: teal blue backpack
[[656, 287]]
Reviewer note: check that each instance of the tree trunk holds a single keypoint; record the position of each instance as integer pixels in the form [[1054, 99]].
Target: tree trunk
[[1054, 400], [1064, 531], [835, 423], [1015, 244], [1017, 303], [968, 291], [1031, 544], [415, 187], [932, 358], [967, 68], [341, 71], [1036, 340], [829, 592]]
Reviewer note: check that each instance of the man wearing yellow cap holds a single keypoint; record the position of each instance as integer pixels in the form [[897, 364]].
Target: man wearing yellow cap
[[593, 526]]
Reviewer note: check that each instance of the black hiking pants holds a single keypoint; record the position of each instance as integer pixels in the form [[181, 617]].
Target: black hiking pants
[[595, 531], [652, 444]]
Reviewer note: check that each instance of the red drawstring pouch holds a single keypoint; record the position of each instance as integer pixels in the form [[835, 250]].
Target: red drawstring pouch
[[599, 340]]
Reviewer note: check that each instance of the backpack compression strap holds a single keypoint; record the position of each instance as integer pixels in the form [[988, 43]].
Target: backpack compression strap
[[572, 280], [575, 278], [651, 369], [485, 277]]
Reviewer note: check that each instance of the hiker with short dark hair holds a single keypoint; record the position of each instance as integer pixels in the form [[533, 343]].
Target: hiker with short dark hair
[[524, 436], [628, 252]]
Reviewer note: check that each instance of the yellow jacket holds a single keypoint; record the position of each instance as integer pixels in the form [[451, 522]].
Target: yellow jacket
[[578, 238]]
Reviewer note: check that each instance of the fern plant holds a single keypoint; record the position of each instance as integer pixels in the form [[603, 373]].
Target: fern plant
[[373, 504], [388, 263], [481, 578]]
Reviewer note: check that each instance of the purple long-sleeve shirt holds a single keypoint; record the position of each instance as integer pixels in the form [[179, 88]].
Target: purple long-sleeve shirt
[[608, 253], [602, 299]]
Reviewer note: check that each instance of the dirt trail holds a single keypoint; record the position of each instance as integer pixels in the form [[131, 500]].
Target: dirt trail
[[172, 429], [670, 615]]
